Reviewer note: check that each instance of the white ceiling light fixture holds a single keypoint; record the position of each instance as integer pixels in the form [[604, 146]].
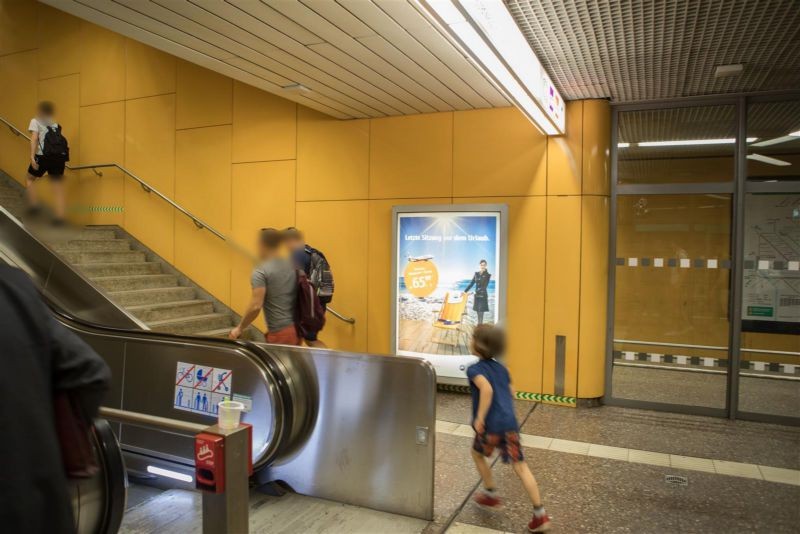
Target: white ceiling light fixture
[[692, 142], [726, 71], [296, 88], [623, 145], [769, 160], [795, 134], [487, 33]]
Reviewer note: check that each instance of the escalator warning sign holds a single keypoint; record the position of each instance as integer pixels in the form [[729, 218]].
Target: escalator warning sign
[[200, 388]]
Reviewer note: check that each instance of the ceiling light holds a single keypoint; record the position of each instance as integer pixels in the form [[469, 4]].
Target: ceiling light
[[777, 140], [487, 33], [690, 142], [623, 145], [767, 159], [724, 71], [795, 134], [297, 88]]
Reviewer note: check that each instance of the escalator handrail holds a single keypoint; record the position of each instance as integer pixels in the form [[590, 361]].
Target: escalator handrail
[[115, 475]]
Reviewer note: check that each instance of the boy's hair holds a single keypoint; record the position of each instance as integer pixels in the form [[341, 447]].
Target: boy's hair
[[270, 238], [483, 262], [488, 341], [45, 107], [293, 233]]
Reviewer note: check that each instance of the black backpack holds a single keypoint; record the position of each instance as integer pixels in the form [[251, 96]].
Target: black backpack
[[320, 275], [55, 145]]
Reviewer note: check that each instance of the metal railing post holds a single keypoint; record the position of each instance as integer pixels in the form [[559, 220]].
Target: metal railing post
[[229, 512]]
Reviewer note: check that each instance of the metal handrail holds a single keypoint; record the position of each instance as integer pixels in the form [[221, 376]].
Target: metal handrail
[[150, 421], [150, 189], [705, 347]]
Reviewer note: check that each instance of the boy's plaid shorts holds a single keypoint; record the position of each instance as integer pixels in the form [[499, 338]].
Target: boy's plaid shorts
[[508, 443]]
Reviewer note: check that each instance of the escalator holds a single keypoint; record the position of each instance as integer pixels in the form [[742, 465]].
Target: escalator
[[277, 384]]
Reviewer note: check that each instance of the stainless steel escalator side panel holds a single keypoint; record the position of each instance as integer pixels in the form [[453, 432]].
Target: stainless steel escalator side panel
[[143, 367], [62, 284], [373, 440]]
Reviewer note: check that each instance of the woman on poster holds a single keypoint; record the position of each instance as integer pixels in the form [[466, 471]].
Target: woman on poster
[[480, 303]]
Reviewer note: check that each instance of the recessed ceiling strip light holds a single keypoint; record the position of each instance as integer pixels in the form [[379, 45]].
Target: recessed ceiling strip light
[[767, 159], [692, 142], [488, 35]]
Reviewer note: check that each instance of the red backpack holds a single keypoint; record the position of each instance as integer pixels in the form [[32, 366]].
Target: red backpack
[[309, 312]]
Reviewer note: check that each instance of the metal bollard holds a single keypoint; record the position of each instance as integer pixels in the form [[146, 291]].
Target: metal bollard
[[228, 512]]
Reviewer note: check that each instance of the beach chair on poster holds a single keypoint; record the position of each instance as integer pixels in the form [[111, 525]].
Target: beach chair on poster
[[449, 319]]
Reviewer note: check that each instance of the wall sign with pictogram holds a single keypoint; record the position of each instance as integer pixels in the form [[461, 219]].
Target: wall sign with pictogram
[[200, 388]]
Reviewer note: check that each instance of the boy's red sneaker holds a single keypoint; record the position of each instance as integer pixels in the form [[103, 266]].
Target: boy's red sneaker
[[539, 524], [488, 500]]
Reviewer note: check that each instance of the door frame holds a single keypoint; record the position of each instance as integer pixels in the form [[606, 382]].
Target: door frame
[[738, 187]]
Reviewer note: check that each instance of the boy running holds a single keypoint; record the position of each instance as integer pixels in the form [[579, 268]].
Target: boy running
[[495, 423]]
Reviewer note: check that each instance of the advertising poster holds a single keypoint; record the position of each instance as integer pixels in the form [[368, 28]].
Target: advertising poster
[[449, 275], [771, 289]]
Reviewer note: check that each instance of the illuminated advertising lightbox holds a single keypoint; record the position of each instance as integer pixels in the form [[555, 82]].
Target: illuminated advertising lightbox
[[448, 276]]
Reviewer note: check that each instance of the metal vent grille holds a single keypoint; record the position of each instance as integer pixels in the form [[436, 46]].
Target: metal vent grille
[[676, 480], [633, 50]]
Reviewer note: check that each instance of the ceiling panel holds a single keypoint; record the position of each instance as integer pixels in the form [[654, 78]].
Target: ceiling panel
[[636, 50], [357, 58]]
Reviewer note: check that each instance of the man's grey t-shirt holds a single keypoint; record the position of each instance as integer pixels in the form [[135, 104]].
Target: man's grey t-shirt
[[280, 279]]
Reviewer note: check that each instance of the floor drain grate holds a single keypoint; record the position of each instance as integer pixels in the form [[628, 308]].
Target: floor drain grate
[[676, 480]]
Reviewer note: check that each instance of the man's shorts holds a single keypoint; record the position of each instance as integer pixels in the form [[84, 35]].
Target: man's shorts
[[53, 167], [508, 443], [285, 336]]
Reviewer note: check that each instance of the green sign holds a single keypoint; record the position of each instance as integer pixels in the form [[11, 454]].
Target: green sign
[[759, 311]]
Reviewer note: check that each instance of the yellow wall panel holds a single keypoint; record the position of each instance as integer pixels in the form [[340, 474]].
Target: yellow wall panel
[[204, 258], [593, 296], [102, 141], [262, 196], [332, 157], [411, 157], [562, 283], [60, 51], [17, 26], [149, 71], [18, 105], [264, 125], [596, 147], [497, 152], [379, 312], [150, 154], [339, 229], [203, 174], [526, 283], [565, 155], [205, 98], [102, 65]]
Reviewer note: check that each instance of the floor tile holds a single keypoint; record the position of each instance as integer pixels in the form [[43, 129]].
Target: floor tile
[[783, 476], [446, 427], [604, 451], [648, 457], [464, 431], [691, 463], [737, 469], [572, 447], [536, 442], [463, 528]]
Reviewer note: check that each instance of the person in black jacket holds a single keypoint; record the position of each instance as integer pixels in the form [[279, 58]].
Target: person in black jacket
[[480, 303], [40, 358]]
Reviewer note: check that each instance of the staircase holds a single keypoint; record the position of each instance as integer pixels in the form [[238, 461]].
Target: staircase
[[131, 275]]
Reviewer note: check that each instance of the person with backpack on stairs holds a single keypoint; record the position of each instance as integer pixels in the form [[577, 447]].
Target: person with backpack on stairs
[[49, 154], [316, 267]]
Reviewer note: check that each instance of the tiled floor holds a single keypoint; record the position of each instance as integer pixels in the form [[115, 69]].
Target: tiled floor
[[600, 470]]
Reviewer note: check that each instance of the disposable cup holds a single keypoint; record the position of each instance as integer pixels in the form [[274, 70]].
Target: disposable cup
[[229, 414]]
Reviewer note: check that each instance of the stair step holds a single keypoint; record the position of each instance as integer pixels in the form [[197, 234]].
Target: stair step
[[60, 234], [119, 269], [125, 283], [220, 332], [130, 256], [172, 310], [92, 245], [156, 295], [191, 325]]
